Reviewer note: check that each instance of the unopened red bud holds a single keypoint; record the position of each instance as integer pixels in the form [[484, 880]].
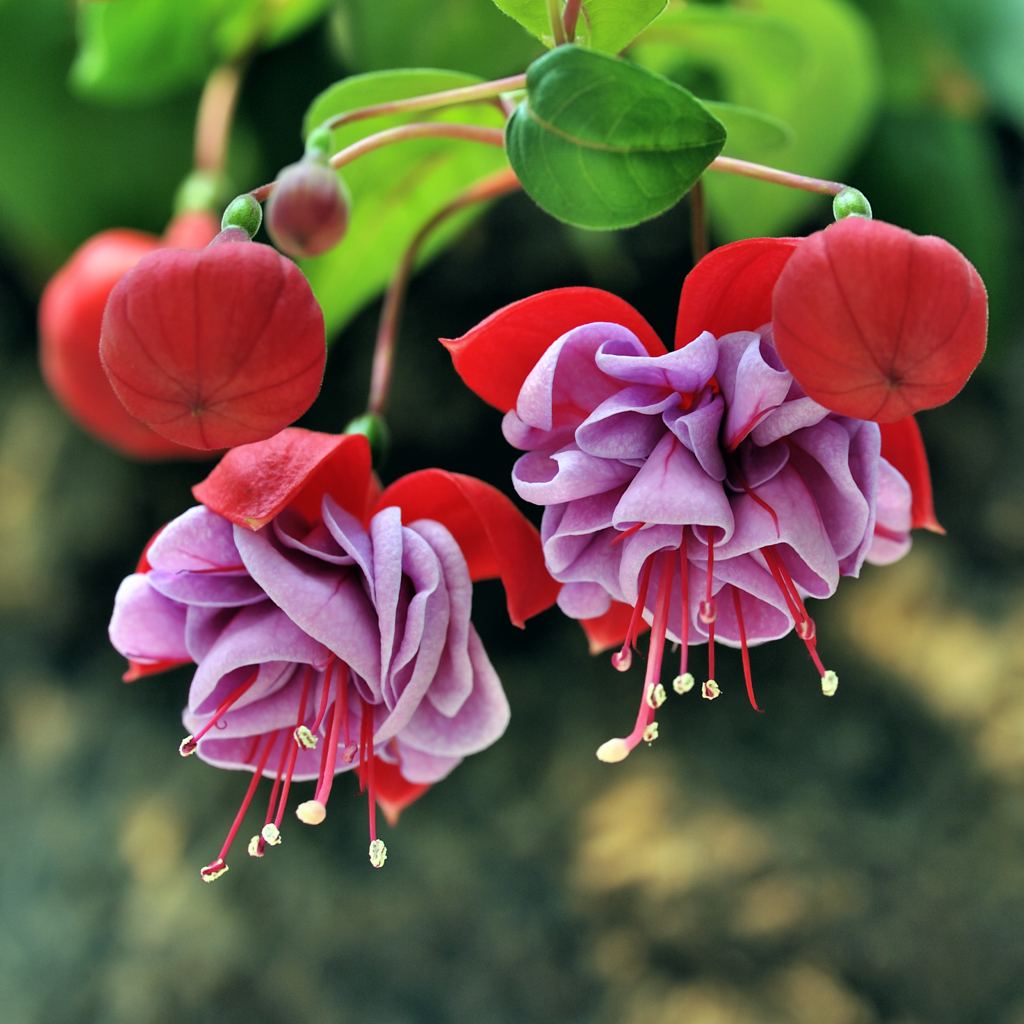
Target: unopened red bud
[[307, 212], [214, 348], [69, 331]]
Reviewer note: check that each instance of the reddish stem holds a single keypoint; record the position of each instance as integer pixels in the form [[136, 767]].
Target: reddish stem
[[730, 165], [213, 119], [495, 185], [420, 130]]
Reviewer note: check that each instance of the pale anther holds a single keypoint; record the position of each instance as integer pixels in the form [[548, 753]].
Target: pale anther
[[378, 853], [684, 683]]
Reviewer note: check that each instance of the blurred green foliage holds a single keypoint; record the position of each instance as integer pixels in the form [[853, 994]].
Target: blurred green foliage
[[847, 862]]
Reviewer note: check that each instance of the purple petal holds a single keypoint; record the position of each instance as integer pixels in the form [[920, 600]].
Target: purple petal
[[325, 601], [671, 488], [685, 370], [146, 626], [479, 722], [197, 540], [566, 475]]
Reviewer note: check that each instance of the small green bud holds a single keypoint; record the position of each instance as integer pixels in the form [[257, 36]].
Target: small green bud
[[243, 212], [319, 145], [375, 430], [851, 202]]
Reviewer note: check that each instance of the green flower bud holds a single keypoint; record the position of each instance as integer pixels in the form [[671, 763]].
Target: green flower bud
[[243, 212], [851, 202]]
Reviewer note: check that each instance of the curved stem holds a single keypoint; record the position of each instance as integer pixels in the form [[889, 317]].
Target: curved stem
[[498, 184], [213, 119], [730, 165], [431, 101], [571, 17], [426, 129], [557, 26]]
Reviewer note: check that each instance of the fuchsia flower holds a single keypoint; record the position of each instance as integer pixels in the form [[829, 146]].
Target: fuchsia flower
[[214, 348], [70, 316], [702, 490], [330, 622]]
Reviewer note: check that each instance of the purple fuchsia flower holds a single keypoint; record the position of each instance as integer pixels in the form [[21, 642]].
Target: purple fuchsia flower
[[330, 623], [702, 491]]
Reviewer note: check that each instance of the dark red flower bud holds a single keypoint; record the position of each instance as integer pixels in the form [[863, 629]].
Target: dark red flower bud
[[70, 315], [307, 212], [877, 323], [214, 348]]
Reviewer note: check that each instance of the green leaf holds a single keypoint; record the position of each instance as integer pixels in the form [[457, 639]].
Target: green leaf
[[601, 143], [136, 51], [811, 64], [397, 188], [474, 37], [605, 25], [68, 169], [748, 132]]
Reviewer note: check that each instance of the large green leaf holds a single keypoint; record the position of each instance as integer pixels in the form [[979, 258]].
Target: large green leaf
[[397, 188], [68, 169], [602, 143], [473, 36], [748, 132], [605, 25], [135, 51], [811, 64]]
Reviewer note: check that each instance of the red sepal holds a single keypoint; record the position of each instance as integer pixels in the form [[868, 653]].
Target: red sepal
[[877, 323], [730, 289], [903, 446], [393, 791], [138, 670], [496, 539], [609, 630], [496, 356], [296, 468]]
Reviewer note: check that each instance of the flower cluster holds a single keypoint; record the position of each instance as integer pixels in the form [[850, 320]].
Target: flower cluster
[[329, 623], [710, 490]]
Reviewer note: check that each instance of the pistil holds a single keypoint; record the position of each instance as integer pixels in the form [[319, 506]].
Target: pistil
[[619, 748]]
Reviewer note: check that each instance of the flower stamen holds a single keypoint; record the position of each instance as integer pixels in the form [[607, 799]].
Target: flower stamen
[[619, 748], [217, 867], [745, 652], [623, 659], [188, 745]]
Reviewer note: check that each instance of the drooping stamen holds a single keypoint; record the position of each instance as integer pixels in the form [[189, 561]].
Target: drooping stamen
[[270, 834], [684, 681], [804, 623], [188, 745], [622, 659], [313, 812], [706, 611], [325, 695], [293, 756], [258, 845], [738, 605], [219, 866], [618, 749]]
